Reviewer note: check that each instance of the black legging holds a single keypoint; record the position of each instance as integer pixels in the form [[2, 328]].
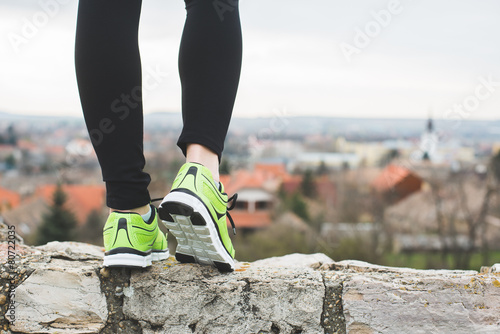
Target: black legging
[[108, 69]]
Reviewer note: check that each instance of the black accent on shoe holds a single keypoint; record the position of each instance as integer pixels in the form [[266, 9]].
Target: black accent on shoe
[[177, 208], [183, 258], [152, 216], [140, 228], [197, 219], [122, 224], [223, 267], [191, 171], [219, 215], [159, 251], [217, 190], [126, 250]]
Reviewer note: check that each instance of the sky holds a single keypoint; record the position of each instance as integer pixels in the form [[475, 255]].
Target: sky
[[361, 58]]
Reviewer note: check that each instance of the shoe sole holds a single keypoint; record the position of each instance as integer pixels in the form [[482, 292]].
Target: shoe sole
[[197, 237], [127, 260], [134, 260]]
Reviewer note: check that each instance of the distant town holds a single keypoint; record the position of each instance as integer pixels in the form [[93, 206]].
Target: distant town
[[406, 192]]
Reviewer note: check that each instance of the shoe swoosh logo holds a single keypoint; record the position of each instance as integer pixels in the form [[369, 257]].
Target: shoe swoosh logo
[[141, 228], [216, 191], [153, 241]]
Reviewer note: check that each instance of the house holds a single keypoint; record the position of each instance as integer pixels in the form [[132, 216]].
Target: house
[[323, 185], [8, 199], [81, 200], [256, 193], [395, 183]]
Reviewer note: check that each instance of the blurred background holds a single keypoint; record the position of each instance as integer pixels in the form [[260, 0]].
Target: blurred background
[[367, 131]]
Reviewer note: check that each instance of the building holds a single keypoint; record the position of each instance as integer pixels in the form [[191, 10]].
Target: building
[[81, 200], [256, 190], [8, 199], [395, 183]]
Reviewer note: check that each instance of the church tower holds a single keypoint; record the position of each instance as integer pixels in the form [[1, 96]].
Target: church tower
[[428, 142]]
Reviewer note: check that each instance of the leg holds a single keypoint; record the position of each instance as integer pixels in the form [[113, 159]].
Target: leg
[[109, 80], [108, 71], [209, 67]]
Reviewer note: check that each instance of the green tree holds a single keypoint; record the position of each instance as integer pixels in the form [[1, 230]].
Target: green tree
[[10, 161], [307, 187], [91, 232], [392, 154], [495, 166], [299, 206], [59, 223], [224, 168], [322, 169]]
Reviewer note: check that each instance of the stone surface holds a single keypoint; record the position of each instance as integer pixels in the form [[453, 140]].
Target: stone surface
[[254, 299], [72, 250], [396, 300], [63, 288], [61, 296], [294, 260]]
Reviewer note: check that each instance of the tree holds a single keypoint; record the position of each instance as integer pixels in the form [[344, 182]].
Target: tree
[[307, 187], [91, 232], [299, 207], [224, 168], [59, 223], [388, 157], [322, 169]]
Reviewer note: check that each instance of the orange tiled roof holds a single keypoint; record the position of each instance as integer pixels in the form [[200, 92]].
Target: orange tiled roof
[[271, 170], [396, 183], [390, 177], [81, 199], [27, 145], [245, 219], [262, 176], [9, 199]]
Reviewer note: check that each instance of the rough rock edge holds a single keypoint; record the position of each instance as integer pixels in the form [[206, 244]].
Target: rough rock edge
[[332, 317], [21, 273], [113, 281]]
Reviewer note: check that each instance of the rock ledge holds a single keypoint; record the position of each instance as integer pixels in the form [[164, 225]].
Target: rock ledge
[[61, 287]]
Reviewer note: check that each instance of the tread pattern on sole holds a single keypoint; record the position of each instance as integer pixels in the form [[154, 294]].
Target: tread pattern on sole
[[194, 242]]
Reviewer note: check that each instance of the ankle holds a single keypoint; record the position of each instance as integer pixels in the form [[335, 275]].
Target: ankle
[[204, 156]]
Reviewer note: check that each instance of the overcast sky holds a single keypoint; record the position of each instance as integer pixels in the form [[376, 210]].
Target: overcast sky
[[361, 58]]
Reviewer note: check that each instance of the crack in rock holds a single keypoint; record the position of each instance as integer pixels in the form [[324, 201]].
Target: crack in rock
[[115, 283]]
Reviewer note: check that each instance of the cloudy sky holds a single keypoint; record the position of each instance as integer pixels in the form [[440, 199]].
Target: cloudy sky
[[362, 58]]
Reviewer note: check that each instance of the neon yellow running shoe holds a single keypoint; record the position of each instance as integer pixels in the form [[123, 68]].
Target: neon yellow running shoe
[[195, 213], [129, 241]]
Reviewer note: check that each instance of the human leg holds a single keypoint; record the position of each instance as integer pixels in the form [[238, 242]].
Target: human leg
[[209, 65], [109, 80]]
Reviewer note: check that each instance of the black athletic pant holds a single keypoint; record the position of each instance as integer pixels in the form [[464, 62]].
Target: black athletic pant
[[108, 69]]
